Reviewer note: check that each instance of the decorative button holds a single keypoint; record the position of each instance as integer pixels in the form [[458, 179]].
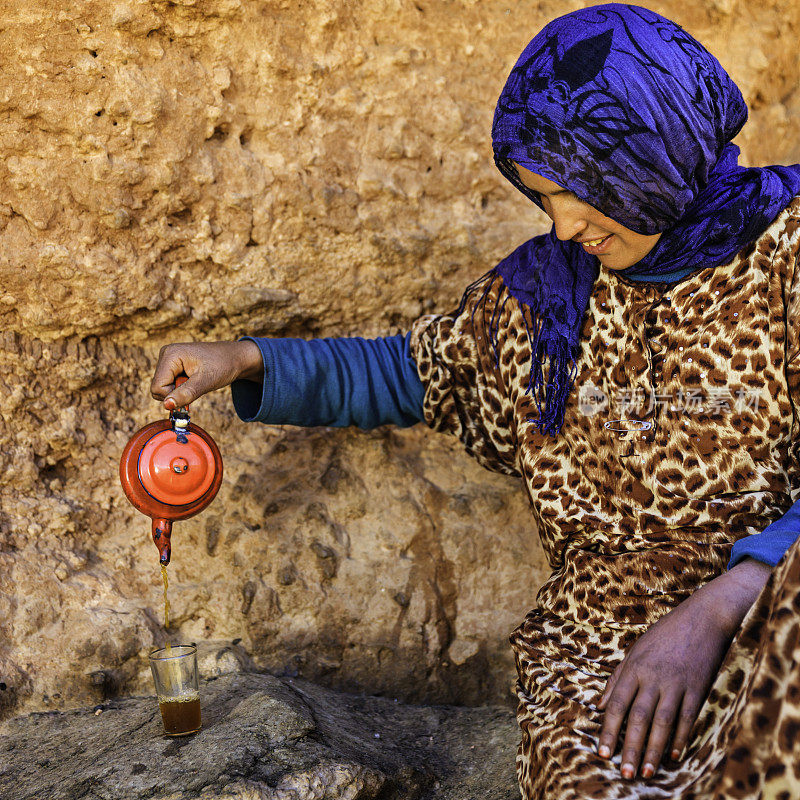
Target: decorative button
[[617, 425]]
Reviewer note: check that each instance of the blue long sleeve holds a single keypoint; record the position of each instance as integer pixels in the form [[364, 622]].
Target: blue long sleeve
[[333, 382], [769, 545]]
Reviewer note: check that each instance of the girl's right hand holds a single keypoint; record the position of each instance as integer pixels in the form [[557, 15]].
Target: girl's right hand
[[207, 365]]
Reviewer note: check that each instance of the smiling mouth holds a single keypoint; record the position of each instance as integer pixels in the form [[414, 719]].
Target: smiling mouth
[[598, 246], [595, 242]]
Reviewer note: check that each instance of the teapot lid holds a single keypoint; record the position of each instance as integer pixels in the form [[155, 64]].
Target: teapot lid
[[176, 470]]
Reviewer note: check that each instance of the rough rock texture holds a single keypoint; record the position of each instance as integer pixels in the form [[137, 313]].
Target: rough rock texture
[[262, 739], [199, 169]]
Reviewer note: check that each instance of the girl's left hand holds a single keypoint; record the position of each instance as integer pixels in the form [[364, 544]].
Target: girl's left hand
[[667, 673]]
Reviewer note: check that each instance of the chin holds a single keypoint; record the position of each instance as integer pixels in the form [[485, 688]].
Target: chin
[[614, 262]]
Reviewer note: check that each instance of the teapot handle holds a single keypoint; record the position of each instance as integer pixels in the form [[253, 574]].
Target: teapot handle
[[181, 379], [179, 417]]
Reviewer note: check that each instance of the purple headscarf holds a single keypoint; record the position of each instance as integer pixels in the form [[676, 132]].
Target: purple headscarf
[[634, 116]]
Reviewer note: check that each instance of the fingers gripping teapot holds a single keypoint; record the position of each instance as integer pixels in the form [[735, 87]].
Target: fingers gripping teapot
[[170, 470]]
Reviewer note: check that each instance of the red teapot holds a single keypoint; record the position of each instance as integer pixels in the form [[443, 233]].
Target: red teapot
[[170, 470]]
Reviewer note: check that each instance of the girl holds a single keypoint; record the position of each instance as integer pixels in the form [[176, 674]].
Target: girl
[[639, 368]]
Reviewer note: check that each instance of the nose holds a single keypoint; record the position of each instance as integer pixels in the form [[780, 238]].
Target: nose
[[568, 217]]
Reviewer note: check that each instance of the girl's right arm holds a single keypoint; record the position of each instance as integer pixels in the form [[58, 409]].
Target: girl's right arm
[[333, 382]]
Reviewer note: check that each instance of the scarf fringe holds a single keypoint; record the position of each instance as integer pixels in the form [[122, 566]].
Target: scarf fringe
[[551, 398], [562, 368]]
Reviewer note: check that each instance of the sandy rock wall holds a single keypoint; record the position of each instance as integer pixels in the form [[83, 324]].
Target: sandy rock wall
[[201, 169]]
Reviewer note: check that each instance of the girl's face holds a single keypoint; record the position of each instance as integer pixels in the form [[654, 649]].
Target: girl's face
[[576, 220]]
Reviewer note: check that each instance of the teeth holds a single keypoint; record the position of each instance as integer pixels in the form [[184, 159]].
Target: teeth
[[595, 242]]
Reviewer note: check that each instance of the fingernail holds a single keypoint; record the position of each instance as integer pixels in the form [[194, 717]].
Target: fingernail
[[627, 771], [604, 752], [169, 404], [648, 770], [676, 754]]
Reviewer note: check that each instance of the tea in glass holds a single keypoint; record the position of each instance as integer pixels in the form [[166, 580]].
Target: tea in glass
[[177, 686]]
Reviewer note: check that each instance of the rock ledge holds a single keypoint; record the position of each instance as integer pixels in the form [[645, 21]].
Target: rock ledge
[[263, 738]]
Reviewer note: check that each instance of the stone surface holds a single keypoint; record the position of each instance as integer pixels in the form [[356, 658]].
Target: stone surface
[[201, 169], [262, 739]]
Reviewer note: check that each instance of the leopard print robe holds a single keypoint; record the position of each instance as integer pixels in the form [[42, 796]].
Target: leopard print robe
[[681, 435]]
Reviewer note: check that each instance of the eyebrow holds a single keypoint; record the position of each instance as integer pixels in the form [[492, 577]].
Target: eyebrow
[[557, 191], [519, 177]]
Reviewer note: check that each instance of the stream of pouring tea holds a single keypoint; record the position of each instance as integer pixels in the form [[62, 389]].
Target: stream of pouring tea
[[173, 677], [166, 601]]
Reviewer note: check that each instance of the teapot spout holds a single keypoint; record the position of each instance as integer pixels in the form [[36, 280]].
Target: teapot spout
[[162, 533]]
